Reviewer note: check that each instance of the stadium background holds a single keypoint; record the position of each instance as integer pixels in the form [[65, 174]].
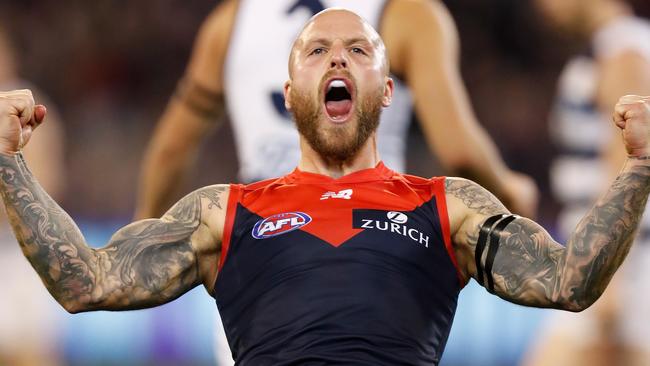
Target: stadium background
[[110, 66]]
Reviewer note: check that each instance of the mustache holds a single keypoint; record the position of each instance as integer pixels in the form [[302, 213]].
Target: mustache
[[335, 73]]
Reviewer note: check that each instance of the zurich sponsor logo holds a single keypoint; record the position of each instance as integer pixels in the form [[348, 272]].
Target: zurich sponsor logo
[[397, 217], [280, 224], [394, 222]]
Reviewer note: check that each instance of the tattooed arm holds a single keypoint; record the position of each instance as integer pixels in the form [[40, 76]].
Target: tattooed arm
[[145, 264], [527, 266]]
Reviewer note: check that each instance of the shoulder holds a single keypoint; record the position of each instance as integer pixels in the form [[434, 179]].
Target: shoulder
[[217, 26], [262, 184], [222, 15], [468, 205], [417, 14], [209, 203], [213, 196], [248, 193], [418, 29], [467, 196], [211, 45], [212, 204], [416, 180]]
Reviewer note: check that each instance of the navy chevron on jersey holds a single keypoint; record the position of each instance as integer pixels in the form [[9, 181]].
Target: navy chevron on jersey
[[351, 271]]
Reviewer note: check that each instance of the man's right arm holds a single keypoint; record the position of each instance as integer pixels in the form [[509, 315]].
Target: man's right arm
[[192, 112], [147, 263]]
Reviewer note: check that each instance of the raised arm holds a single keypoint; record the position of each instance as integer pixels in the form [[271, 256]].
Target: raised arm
[[423, 46], [194, 110], [145, 264], [518, 260]]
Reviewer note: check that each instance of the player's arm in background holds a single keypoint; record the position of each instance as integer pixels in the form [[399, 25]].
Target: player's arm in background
[[146, 263], [518, 260], [195, 109], [423, 48]]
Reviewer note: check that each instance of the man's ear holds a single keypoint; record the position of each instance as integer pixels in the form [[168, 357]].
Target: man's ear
[[287, 94], [387, 99]]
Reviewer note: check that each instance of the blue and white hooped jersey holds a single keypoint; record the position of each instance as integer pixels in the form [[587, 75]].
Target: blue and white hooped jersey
[[254, 74]]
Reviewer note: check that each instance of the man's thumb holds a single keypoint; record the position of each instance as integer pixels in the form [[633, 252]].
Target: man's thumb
[[39, 113]]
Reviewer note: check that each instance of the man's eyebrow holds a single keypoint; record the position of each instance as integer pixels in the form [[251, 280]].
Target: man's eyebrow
[[357, 40], [327, 42], [322, 41]]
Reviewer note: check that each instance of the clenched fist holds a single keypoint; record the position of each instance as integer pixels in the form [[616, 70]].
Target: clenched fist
[[632, 116], [19, 116]]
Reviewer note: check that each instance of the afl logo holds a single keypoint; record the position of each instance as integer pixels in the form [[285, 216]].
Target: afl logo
[[397, 217], [280, 224]]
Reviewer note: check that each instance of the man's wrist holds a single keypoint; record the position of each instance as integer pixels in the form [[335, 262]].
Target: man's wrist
[[637, 161], [10, 155], [641, 157], [12, 161]]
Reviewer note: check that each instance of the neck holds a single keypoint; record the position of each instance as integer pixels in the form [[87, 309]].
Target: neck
[[312, 162], [599, 16]]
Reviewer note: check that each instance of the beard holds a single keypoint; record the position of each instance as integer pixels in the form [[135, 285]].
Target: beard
[[338, 143]]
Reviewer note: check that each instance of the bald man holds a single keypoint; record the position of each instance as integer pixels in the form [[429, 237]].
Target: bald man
[[343, 261]]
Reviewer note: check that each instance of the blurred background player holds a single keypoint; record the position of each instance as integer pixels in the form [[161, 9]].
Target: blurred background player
[[616, 61], [238, 67], [29, 318]]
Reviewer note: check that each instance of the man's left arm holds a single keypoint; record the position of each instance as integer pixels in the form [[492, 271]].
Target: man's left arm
[[518, 260]]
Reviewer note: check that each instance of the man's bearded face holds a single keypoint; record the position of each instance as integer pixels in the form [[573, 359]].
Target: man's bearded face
[[338, 142]]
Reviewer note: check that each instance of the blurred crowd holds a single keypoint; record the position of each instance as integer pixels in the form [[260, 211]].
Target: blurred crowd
[[109, 68]]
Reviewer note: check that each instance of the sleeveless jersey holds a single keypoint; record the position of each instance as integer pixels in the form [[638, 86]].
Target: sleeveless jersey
[[254, 75], [580, 130], [351, 271]]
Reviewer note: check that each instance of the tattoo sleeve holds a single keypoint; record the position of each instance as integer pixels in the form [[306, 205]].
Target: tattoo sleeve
[[530, 268], [146, 263]]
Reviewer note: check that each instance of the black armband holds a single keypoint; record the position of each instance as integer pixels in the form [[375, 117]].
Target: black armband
[[489, 237], [483, 236]]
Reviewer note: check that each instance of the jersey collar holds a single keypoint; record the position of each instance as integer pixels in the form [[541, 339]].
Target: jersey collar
[[379, 172]]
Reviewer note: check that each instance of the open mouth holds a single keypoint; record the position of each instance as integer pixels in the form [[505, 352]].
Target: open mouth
[[338, 100]]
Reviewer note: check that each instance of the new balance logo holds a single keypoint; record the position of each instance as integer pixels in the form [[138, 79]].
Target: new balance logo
[[345, 194]]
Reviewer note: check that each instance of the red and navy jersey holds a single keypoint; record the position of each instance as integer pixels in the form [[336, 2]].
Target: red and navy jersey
[[351, 271]]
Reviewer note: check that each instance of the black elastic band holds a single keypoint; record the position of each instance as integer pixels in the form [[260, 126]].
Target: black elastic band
[[483, 235], [494, 246]]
